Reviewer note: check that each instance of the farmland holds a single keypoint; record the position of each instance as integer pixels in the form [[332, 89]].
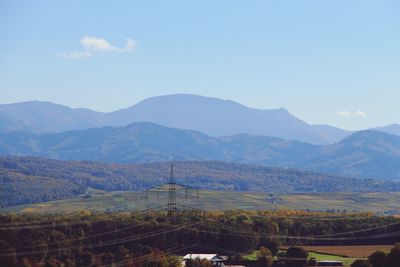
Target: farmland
[[346, 254], [98, 201], [348, 251]]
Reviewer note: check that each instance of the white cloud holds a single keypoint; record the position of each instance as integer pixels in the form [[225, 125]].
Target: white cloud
[[350, 114], [94, 45], [360, 113]]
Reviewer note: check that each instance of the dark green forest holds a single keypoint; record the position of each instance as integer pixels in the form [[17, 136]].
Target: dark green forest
[[151, 238]]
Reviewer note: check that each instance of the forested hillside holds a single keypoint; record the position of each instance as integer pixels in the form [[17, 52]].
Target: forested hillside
[[28, 179], [365, 154], [139, 238]]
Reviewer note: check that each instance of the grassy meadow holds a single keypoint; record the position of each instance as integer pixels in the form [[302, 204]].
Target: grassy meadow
[[99, 201]]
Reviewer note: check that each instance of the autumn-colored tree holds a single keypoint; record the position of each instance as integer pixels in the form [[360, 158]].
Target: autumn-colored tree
[[264, 257], [25, 263], [271, 244], [52, 262], [198, 263], [173, 261]]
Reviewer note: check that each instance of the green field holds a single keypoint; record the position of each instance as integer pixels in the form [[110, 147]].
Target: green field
[[321, 257], [217, 200], [318, 256]]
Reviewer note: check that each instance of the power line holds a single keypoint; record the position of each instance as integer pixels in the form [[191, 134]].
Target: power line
[[107, 243], [246, 234]]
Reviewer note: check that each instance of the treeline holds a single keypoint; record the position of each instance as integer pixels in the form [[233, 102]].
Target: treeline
[[87, 239], [381, 259], [26, 180]]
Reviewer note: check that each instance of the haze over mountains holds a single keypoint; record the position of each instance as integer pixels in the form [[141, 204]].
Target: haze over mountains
[[391, 129], [213, 140], [365, 154], [211, 116]]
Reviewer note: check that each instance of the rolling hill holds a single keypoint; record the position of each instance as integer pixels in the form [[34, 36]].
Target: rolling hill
[[26, 180], [365, 154], [183, 111]]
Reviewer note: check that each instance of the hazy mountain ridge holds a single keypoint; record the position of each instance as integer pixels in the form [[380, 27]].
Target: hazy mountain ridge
[[27, 179], [212, 116], [390, 129], [47, 117], [365, 154]]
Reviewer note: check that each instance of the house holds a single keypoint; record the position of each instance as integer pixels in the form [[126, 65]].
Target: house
[[215, 259]]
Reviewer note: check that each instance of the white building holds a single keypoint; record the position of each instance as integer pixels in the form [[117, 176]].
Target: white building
[[215, 259]]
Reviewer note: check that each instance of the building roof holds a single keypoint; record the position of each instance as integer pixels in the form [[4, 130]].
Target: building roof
[[200, 256]]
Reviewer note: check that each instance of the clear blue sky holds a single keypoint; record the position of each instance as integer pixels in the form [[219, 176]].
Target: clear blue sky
[[334, 62]]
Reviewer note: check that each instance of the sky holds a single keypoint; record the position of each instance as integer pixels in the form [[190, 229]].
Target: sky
[[331, 62]]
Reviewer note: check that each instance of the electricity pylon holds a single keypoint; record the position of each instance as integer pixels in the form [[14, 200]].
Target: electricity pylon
[[172, 194]]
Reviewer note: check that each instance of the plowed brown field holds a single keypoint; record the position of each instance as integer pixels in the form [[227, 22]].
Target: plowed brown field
[[348, 251]]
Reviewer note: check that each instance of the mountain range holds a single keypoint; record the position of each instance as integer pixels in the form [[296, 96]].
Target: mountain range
[[211, 116], [364, 154]]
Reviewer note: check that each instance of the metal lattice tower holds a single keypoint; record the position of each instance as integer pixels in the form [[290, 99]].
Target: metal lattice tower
[[172, 194]]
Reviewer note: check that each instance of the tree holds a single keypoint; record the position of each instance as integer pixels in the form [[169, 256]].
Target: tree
[[86, 259], [296, 257], [264, 257], [272, 245], [361, 263], [198, 263], [243, 219], [107, 259], [52, 262], [8, 257], [312, 262], [393, 258], [173, 261], [122, 253], [378, 259], [25, 263]]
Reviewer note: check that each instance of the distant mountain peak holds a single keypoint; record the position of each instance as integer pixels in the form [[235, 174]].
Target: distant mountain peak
[[210, 115]]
